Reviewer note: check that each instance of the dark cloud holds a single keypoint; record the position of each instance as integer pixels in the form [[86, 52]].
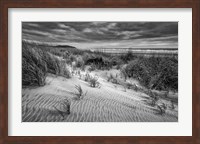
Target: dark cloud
[[73, 32]]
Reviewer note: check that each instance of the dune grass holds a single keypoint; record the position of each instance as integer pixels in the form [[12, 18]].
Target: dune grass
[[79, 92], [36, 63]]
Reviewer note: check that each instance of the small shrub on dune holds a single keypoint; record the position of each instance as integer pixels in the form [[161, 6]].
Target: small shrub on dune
[[129, 85], [98, 62], [166, 94], [105, 65], [127, 57], [93, 81], [110, 77], [83, 67], [153, 98], [85, 57], [135, 87], [162, 108], [172, 106], [114, 81], [64, 108], [63, 70], [118, 67], [72, 58], [79, 92], [87, 77], [123, 73], [92, 67], [66, 56], [79, 62], [116, 61]]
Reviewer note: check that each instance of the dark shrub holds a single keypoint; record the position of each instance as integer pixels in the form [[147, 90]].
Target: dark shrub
[[127, 57], [79, 62], [101, 63], [36, 63], [33, 68], [93, 81], [155, 72]]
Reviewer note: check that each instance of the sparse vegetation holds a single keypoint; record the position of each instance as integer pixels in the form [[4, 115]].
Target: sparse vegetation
[[153, 98], [129, 85], [172, 106], [162, 108], [112, 79], [64, 108], [124, 88], [166, 94], [79, 92], [93, 81], [123, 73], [87, 77]]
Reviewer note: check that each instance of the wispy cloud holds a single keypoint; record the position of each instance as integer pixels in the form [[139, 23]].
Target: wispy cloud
[[33, 24], [110, 34]]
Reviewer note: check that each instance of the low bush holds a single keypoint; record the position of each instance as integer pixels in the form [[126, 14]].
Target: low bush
[[79, 62], [63, 70], [127, 57], [87, 77], [64, 108], [124, 73], [112, 79], [116, 61], [172, 106], [159, 73], [98, 62], [92, 67], [79, 92], [162, 108], [93, 81], [109, 77], [153, 98]]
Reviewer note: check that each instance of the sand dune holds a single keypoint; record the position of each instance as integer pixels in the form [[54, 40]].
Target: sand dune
[[105, 104]]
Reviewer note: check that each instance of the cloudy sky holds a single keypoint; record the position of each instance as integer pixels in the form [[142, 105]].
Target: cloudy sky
[[104, 34]]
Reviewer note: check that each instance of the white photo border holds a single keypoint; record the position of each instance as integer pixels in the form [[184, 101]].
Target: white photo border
[[181, 128]]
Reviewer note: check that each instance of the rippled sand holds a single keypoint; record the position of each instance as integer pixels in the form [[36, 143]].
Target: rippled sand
[[108, 103]]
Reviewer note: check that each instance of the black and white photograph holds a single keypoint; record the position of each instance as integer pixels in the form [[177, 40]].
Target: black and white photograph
[[99, 71]]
